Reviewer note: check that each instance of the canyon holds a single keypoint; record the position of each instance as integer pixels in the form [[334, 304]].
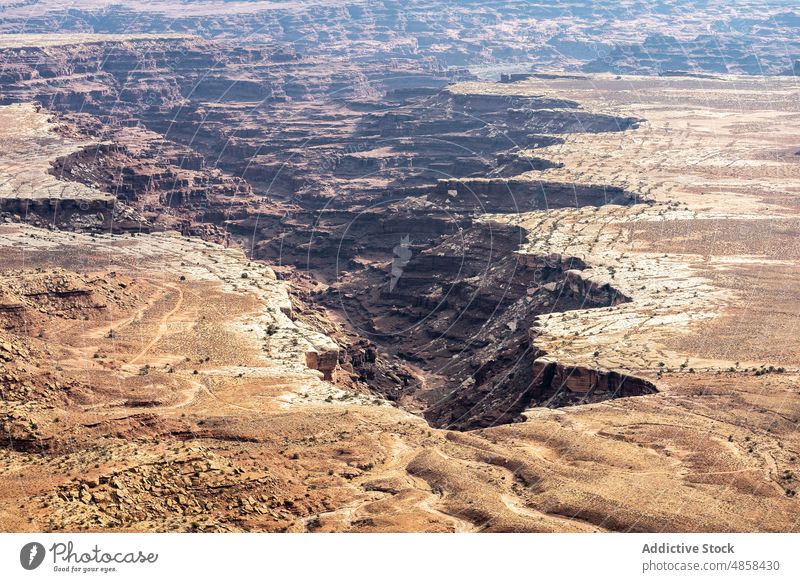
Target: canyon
[[307, 284]]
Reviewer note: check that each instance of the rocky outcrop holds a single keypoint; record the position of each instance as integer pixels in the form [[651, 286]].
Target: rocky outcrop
[[509, 195], [376, 192], [324, 358], [593, 294], [59, 210], [531, 382], [715, 38], [28, 296], [563, 385], [550, 261]]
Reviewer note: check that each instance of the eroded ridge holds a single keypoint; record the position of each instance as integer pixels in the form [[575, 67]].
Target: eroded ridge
[[417, 304]]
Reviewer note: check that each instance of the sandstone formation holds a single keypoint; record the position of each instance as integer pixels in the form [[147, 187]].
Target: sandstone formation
[[330, 278], [665, 37]]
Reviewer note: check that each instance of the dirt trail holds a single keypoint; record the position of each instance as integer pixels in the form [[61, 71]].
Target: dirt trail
[[568, 524], [162, 326]]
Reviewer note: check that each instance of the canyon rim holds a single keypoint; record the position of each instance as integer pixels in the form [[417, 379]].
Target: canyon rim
[[382, 266]]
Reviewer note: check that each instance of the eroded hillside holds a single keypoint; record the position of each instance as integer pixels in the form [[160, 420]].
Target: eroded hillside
[[666, 37], [383, 300]]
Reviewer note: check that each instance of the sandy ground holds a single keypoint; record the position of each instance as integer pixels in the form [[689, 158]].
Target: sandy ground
[[173, 392]]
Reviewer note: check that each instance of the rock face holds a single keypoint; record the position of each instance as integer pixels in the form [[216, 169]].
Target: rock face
[[328, 279], [714, 38], [28, 190], [509, 196], [532, 383], [26, 295], [592, 293], [401, 223], [563, 385]]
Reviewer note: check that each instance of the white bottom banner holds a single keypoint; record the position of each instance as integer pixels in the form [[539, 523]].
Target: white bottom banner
[[355, 557]]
